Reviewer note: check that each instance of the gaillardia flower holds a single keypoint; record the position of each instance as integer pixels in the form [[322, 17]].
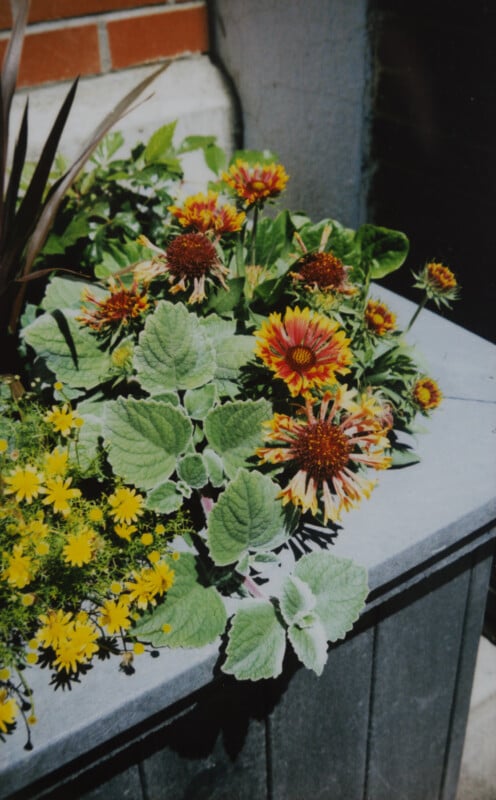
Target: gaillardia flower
[[192, 258], [328, 452], [323, 272], [305, 349], [255, 183], [203, 213], [378, 318], [120, 307], [438, 282], [427, 394]]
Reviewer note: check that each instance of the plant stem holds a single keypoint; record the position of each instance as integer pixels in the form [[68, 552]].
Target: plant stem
[[253, 235], [252, 587], [420, 306]]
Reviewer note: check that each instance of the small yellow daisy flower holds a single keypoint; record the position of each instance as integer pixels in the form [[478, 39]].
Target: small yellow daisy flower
[[58, 494], [25, 482], [138, 648], [63, 419], [126, 505], [79, 549], [146, 539]]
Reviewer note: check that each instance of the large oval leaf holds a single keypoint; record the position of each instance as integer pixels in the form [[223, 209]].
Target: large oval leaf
[[174, 351], [246, 516], [340, 587], [257, 642], [71, 352], [191, 615], [234, 431], [145, 439]]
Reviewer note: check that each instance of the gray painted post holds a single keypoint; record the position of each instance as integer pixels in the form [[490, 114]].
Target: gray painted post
[[300, 69]]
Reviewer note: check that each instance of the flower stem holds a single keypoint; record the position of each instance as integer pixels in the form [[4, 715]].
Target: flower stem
[[420, 306], [253, 235], [252, 587]]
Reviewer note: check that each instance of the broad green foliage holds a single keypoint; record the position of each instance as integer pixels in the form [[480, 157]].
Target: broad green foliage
[[233, 431], [246, 517], [71, 352], [193, 615], [145, 439], [257, 643], [173, 351]]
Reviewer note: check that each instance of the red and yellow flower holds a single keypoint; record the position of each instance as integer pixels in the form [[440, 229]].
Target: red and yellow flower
[[378, 318], [255, 183], [305, 349], [203, 213], [427, 394], [327, 452], [120, 307]]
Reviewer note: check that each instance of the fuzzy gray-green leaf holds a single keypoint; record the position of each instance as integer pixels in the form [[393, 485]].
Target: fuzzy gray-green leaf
[[145, 439]]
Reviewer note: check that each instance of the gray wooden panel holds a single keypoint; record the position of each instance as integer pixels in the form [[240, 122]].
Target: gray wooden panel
[[214, 752], [415, 672], [471, 636], [318, 731], [125, 786]]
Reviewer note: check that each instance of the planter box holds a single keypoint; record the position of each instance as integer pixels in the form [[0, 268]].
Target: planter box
[[386, 719]]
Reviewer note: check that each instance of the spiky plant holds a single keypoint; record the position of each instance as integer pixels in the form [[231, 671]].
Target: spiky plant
[[26, 218]]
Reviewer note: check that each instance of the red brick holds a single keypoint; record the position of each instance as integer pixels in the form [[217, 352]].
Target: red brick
[[136, 40], [42, 10], [58, 55]]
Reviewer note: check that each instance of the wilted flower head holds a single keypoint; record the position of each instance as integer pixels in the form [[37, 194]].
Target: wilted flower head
[[203, 213], [328, 451], [192, 258], [305, 349], [255, 183], [120, 307], [323, 272]]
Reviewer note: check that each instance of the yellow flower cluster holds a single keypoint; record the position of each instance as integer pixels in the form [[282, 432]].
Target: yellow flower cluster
[[71, 574]]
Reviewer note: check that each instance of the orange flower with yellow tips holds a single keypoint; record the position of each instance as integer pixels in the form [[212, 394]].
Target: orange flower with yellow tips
[[427, 394], [255, 183], [203, 213], [378, 318], [305, 349]]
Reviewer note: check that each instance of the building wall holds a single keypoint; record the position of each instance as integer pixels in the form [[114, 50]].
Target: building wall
[[67, 38]]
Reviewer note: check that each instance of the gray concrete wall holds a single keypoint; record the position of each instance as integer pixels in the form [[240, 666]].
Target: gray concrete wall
[[301, 72]]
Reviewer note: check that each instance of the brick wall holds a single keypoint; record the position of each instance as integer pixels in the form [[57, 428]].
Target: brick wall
[[67, 38]]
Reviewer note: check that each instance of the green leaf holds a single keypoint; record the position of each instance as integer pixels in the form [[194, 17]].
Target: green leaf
[[160, 143], [310, 645], [232, 351], [214, 466], [274, 238], [192, 470], [340, 587], [296, 600], [165, 498], [383, 250], [70, 351], [195, 614], [257, 642], [404, 457], [62, 293], [198, 402], [145, 438], [174, 351], [234, 430], [246, 516]]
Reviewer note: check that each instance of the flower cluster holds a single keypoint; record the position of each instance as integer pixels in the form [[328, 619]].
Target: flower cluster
[[234, 365], [80, 557]]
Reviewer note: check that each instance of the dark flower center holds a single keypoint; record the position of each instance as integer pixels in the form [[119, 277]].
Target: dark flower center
[[191, 255], [322, 450], [300, 357], [324, 269]]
